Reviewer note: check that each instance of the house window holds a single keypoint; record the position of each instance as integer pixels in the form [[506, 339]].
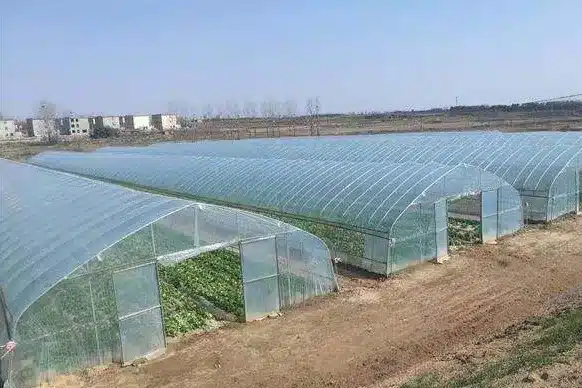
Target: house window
[[84, 131]]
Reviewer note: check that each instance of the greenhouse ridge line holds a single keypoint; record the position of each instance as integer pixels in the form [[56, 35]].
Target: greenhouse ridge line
[[179, 195]]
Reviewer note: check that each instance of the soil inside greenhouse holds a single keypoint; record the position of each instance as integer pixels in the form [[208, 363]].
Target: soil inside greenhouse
[[374, 330]]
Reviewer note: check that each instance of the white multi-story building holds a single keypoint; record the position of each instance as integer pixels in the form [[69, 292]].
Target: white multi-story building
[[114, 122], [138, 123], [8, 130], [74, 126], [42, 128], [165, 122]]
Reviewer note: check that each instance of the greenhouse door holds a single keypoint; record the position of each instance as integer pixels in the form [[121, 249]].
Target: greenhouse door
[[489, 218], [141, 330], [441, 218], [260, 277]]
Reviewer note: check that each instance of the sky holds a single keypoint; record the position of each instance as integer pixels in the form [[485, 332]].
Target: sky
[[145, 56]]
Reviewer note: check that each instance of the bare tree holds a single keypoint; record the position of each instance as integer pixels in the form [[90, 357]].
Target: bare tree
[[317, 110], [290, 113], [250, 109], [309, 109], [233, 109], [266, 113], [278, 112], [207, 111], [250, 113], [269, 113], [47, 113], [312, 109]]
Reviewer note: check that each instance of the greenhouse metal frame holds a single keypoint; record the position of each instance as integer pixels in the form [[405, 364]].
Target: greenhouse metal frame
[[80, 258], [389, 215], [545, 167]]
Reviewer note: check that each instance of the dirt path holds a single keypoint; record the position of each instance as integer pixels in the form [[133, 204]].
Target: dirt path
[[373, 329]]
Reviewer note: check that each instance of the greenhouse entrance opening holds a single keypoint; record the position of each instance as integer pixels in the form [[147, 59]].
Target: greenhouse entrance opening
[[470, 220]]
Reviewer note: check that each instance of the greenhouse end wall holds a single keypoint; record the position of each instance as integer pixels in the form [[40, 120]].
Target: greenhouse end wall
[[564, 195], [421, 233]]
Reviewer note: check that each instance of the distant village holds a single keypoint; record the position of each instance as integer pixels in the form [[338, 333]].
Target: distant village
[[71, 127]]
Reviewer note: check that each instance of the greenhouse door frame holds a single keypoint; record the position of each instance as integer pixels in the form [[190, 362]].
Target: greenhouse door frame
[[5, 324], [123, 317], [441, 229], [488, 217], [258, 278]]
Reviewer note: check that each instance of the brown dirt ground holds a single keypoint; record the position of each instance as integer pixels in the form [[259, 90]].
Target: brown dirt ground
[[565, 372], [375, 332]]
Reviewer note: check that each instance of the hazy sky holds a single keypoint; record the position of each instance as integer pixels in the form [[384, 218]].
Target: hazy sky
[[125, 56]]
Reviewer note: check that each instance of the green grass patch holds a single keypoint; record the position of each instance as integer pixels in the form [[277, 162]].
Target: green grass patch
[[428, 380], [555, 336]]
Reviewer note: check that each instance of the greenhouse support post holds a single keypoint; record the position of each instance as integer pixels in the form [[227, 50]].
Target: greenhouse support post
[[5, 313], [115, 296], [95, 320], [579, 193], [278, 269], [436, 232], [196, 232], [161, 303], [153, 241], [499, 213]]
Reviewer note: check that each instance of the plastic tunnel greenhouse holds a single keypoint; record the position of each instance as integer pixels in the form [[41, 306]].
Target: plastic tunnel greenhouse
[[544, 167], [81, 259], [380, 217]]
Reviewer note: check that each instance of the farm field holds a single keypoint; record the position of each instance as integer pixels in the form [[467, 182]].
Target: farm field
[[383, 333], [341, 125]]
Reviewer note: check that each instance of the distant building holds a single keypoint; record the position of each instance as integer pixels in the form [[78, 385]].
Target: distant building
[[74, 126], [142, 123], [165, 122], [41, 128], [114, 122], [8, 130]]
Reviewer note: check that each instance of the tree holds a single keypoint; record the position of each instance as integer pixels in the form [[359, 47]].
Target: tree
[[269, 112], [207, 111], [250, 109], [312, 109], [291, 112], [47, 113], [232, 109], [102, 132], [317, 110]]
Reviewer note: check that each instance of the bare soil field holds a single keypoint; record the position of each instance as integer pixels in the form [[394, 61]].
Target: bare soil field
[[236, 129], [374, 333]]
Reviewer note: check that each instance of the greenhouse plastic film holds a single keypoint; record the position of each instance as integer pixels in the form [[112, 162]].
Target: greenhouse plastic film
[[367, 198], [142, 334], [73, 308], [528, 161]]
